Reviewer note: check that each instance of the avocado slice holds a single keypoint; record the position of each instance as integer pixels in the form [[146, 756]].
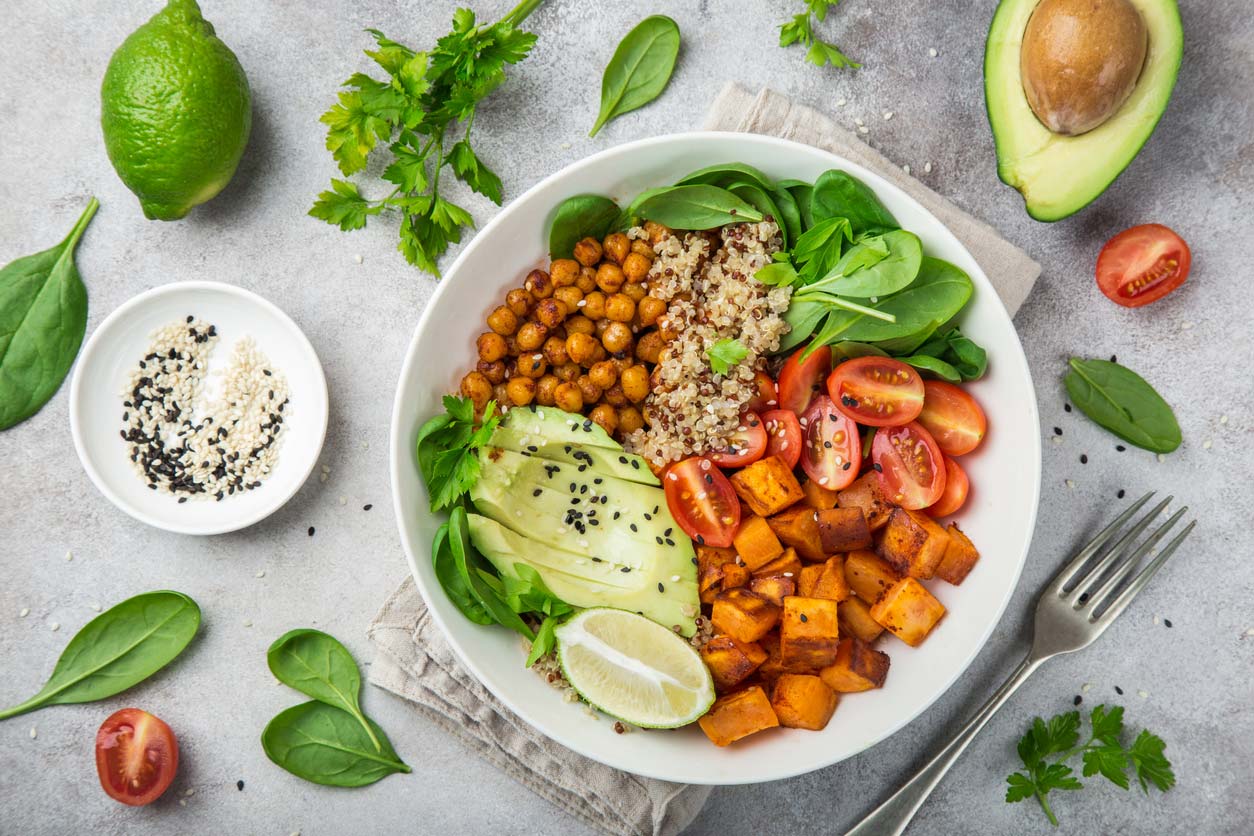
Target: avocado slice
[[605, 461], [554, 424], [1059, 175]]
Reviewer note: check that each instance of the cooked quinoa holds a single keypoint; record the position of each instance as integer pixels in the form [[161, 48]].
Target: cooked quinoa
[[706, 279]]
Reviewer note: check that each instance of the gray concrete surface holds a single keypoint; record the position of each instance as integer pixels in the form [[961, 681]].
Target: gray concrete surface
[[1191, 683]]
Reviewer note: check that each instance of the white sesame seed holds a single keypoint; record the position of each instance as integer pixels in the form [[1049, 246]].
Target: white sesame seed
[[823, 481], [55, 626], [69, 556], [343, 500], [1085, 687], [932, 52], [322, 477], [1162, 457], [182, 802], [1185, 326], [1250, 632], [863, 129], [1223, 419], [565, 146], [581, 303], [927, 168], [841, 102], [788, 574], [95, 607], [248, 622], [25, 612], [190, 792], [674, 578], [1070, 483], [583, 544], [858, 122], [1206, 445], [906, 168], [357, 258], [1143, 694], [326, 469], [33, 733], [1057, 439], [260, 574], [888, 114], [1156, 618]]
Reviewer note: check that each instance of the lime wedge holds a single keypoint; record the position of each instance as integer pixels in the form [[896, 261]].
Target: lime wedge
[[634, 669]]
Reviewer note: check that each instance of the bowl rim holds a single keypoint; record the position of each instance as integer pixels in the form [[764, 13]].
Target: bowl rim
[[878, 183], [77, 384]]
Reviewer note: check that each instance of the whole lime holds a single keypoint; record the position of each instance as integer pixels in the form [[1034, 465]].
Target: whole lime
[[176, 111]]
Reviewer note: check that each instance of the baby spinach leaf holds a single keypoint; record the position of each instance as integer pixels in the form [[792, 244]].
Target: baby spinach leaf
[[850, 350], [802, 316], [818, 249], [722, 174], [803, 193], [878, 266], [640, 68], [579, 217], [777, 274], [528, 593], [43, 316], [837, 194], [959, 351], [451, 581], [328, 746], [760, 199], [697, 207], [1122, 401], [938, 293], [544, 642], [318, 666], [121, 647], [789, 213], [933, 366], [630, 216], [470, 567]]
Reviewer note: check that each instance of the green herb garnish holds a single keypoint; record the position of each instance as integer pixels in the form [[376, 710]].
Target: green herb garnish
[[580, 217], [429, 98], [724, 354], [640, 69], [1122, 401], [800, 30], [1047, 745], [448, 447]]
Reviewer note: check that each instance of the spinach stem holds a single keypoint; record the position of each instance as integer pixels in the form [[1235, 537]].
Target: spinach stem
[[841, 302]]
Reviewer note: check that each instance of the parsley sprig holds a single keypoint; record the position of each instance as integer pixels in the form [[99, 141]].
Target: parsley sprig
[[801, 30], [1047, 745], [423, 114], [724, 354], [448, 449]]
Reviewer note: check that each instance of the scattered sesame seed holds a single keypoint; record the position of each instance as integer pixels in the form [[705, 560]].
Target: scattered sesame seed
[[190, 792], [1143, 694], [1121, 493], [248, 622], [95, 607], [1066, 407], [1084, 459], [1223, 419], [1167, 623], [841, 102], [906, 168], [888, 114], [260, 574], [927, 168], [343, 500], [863, 129], [25, 612], [1085, 687], [803, 618], [367, 506], [1057, 430], [55, 626], [239, 785], [932, 52], [858, 122], [1070, 483], [33, 733], [1185, 326], [1118, 690], [1162, 457], [69, 556], [1206, 445], [311, 531], [1078, 699]]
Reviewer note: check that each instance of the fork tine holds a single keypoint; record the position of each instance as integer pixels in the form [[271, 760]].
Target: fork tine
[[1128, 565], [1138, 583], [1094, 546], [1112, 555]]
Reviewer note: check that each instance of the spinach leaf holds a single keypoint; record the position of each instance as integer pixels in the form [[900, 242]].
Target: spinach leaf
[[467, 559], [43, 316], [803, 193], [697, 207], [837, 194], [328, 746], [640, 68], [877, 266], [789, 213], [722, 174], [934, 366], [849, 350], [938, 293], [630, 216], [777, 274], [818, 249], [959, 351], [451, 581], [121, 647], [318, 666], [579, 217], [544, 640], [802, 316], [760, 199], [1122, 401], [527, 592]]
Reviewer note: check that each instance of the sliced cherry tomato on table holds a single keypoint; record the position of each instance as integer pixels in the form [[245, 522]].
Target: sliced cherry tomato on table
[[956, 487], [877, 391], [1142, 265], [783, 435], [800, 380], [911, 467], [953, 417], [767, 397], [832, 448], [747, 443], [702, 501], [137, 757]]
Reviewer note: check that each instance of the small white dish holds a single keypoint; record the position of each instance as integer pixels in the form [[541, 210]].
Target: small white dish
[[96, 402]]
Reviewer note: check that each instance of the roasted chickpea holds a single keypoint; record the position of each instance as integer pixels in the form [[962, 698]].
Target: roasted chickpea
[[511, 346], [620, 307], [503, 321], [492, 346], [477, 387], [521, 390], [594, 305], [649, 348], [635, 290], [601, 325], [580, 347], [545, 387], [635, 382], [643, 248], [590, 391], [604, 374], [564, 272], [518, 301], [555, 351], [567, 372], [587, 281], [616, 247], [650, 308], [579, 324], [550, 312], [539, 284], [500, 393], [494, 372], [617, 337], [532, 365], [636, 267], [656, 232], [599, 354], [568, 397], [588, 252], [532, 335], [606, 416], [610, 277], [614, 395], [629, 420], [569, 296]]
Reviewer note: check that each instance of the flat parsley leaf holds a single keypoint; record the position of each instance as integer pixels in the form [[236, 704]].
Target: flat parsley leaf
[[724, 354], [1152, 766], [448, 450], [343, 206]]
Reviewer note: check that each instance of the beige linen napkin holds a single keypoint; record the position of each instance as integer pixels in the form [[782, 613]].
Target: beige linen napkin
[[414, 659]]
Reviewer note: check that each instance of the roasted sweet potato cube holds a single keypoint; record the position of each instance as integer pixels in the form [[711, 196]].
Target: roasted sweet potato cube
[[907, 610], [913, 543], [843, 530], [830, 582], [802, 701], [743, 615], [854, 616], [808, 633], [960, 556], [818, 497], [798, 528], [773, 667], [786, 564], [710, 562], [774, 588], [731, 662], [865, 493], [707, 596], [756, 544], [868, 576], [738, 715], [808, 578], [735, 575], [858, 667], [767, 486]]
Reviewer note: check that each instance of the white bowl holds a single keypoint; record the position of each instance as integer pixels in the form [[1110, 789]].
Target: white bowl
[[1005, 474], [121, 341]]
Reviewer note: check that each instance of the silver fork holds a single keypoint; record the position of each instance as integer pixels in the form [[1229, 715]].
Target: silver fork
[[1076, 608]]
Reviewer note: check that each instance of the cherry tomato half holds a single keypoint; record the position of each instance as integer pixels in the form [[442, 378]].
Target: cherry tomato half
[[783, 435], [702, 501], [137, 757], [956, 487], [911, 468], [767, 397], [800, 380], [1142, 265], [877, 391], [747, 443], [832, 449], [953, 418]]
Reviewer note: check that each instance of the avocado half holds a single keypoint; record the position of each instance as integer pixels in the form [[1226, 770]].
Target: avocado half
[[1059, 175]]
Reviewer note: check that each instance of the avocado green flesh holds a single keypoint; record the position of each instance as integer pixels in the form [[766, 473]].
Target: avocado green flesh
[[611, 462], [559, 427], [1059, 175]]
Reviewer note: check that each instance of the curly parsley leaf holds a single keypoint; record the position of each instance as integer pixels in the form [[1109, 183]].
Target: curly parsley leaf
[[448, 450], [800, 30], [724, 354]]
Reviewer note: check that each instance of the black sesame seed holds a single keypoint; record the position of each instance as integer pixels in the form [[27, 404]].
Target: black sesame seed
[[596, 560], [182, 499], [1120, 494], [1078, 699], [694, 562], [660, 588], [803, 617], [701, 541], [267, 372], [659, 540], [1066, 407], [625, 569], [846, 465], [366, 507], [670, 542], [311, 528], [239, 785], [1057, 430], [621, 459], [1120, 448], [827, 444], [533, 448], [633, 527], [1114, 359], [648, 516], [617, 515], [1167, 622], [1118, 690], [190, 319], [878, 468], [1084, 459], [635, 463], [536, 492]]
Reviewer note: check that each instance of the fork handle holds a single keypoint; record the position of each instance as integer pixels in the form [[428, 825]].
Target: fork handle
[[892, 817]]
